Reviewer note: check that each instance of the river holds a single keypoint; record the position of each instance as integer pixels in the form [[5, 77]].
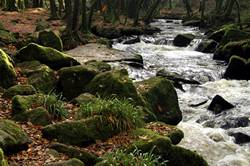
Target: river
[[205, 133]]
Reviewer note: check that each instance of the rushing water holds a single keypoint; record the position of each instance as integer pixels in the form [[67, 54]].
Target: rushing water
[[206, 133]]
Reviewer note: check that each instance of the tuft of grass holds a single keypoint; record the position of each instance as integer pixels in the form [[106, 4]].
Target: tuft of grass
[[136, 158], [55, 106], [120, 113]]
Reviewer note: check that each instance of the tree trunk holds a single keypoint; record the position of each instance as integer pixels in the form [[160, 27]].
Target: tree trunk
[[53, 10], [11, 5], [76, 15], [84, 26], [152, 11]]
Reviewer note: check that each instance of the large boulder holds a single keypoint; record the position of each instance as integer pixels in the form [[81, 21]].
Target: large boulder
[[7, 37], [46, 55], [228, 34], [183, 40], [159, 145], [114, 83], [109, 32], [70, 162], [238, 68], [240, 138], [50, 39], [38, 75], [12, 137], [19, 90], [207, 46], [7, 72], [239, 48], [86, 157], [73, 80], [161, 100], [80, 132]]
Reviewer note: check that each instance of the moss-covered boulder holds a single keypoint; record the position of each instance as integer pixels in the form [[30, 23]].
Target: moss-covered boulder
[[73, 80], [183, 40], [50, 39], [99, 65], [3, 162], [41, 25], [46, 55], [80, 132], [12, 137], [84, 98], [70, 162], [239, 48], [38, 108], [37, 116], [228, 33], [207, 46], [86, 157], [238, 68], [114, 83], [7, 72], [19, 90], [161, 146], [161, 100], [7, 37]]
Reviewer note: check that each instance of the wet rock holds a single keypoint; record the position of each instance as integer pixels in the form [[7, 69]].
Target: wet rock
[[183, 40], [219, 104], [12, 137], [161, 146], [129, 31], [116, 83], [7, 37], [235, 122], [7, 72], [195, 23], [86, 157], [132, 41], [161, 100], [70, 162], [239, 48], [19, 90], [109, 32], [240, 138], [238, 68], [50, 39], [207, 46], [73, 80], [46, 55]]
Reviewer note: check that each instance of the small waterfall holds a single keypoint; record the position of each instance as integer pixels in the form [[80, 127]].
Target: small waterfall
[[206, 133]]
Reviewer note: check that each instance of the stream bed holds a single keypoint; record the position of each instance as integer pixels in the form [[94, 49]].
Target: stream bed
[[205, 133]]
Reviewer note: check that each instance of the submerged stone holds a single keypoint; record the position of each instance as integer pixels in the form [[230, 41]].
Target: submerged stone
[[219, 104], [183, 40]]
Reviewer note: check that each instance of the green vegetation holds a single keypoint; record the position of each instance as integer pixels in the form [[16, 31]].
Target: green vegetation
[[135, 158]]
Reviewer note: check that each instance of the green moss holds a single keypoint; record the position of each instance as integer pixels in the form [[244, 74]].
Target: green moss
[[71, 162], [161, 100], [84, 156], [46, 55], [84, 98], [114, 83], [7, 37], [29, 67], [12, 138], [99, 65], [7, 71], [81, 132], [73, 80], [50, 39], [19, 90]]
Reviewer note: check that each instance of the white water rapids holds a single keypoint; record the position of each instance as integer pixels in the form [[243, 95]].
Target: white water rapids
[[205, 132]]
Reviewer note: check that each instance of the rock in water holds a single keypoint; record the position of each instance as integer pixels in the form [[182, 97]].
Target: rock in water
[[46, 55], [219, 104], [207, 46], [50, 39], [183, 40], [7, 72], [240, 138], [161, 100]]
